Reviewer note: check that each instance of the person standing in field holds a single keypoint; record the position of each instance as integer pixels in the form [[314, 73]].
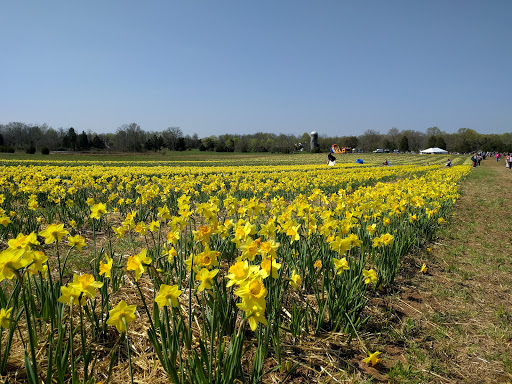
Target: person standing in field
[[331, 160], [473, 159], [497, 156]]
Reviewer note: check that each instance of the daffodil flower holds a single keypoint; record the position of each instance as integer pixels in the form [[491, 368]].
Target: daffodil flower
[[122, 315]]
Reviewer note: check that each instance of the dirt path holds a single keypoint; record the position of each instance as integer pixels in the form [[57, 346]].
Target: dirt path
[[454, 324]]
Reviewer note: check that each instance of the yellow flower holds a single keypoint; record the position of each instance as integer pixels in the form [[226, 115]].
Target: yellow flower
[[255, 315], [77, 241], [5, 317], [90, 201], [371, 228], [72, 224], [171, 254], [441, 220], [173, 237], [138, 263], [253, 294], [250, 248], [154, 225], [269, 267], [387, 239], [373, 358], [203, 235], [37, 258], [5, 220], [106, 268], [119, 231], [207, 258], [370, 276], [53, 233], [9, 262], [295, 280], [318, 264], [341, 265], [85, 283], [424, 268], [206, 278], [121, 312], [238, 273], [412, 218], [141, 228], [97, 210], [341, 245], [164, 213], [293, 232], [70, 294], [167, 293]]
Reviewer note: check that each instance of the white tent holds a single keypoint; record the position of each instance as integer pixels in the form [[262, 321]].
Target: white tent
[[434, 151]]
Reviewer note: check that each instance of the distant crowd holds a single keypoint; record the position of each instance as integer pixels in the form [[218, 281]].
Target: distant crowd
[[479, 156]]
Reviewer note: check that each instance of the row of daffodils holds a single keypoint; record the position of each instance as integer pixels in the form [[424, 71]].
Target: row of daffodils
[[214, 266]]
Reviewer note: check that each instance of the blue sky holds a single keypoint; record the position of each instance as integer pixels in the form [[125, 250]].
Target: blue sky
[[283, 66]]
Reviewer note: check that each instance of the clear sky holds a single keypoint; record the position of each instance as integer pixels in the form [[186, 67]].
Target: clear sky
[[283, 66]]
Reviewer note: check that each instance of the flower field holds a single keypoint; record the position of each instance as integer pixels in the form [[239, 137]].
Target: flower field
[[167, 272]]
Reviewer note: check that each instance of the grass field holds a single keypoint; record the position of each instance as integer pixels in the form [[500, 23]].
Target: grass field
[[334, 252]]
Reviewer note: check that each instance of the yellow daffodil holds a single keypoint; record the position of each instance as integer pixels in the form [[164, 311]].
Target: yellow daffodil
[[77, 241], [120, 315], [253, 293], [168, 294], [238, 273], [295, 280], [9, 262], [372, 359], [5, 318], [206, 278], [97, 210], [269, 267], [106, 268], [70, 295], [340, 265], [85, 283], [138, 263], [53, 233], [370, 276], [424, 269]]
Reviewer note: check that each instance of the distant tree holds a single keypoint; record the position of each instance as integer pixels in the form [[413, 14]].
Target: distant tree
[[440, 142], [432, 141], [96, 142], [404, 144], [1, 139], [433, 131], [370, 140], [392, 135], [83, 141], [70, 139], [31, 149], [209, 143], [129, 138], [171, 136], [350, 141]]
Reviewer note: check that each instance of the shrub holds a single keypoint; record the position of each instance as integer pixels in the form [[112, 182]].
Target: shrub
[[45, 151], [6, 149]]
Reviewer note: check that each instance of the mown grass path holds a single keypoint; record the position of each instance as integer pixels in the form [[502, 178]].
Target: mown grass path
[[454, 324]]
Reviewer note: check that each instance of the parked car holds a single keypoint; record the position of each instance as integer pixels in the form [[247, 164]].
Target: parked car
[[378, 150]]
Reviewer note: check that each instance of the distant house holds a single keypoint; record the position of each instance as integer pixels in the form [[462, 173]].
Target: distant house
[[434, 151]]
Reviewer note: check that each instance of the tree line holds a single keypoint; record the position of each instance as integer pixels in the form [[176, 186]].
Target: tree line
[[16, 136]]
